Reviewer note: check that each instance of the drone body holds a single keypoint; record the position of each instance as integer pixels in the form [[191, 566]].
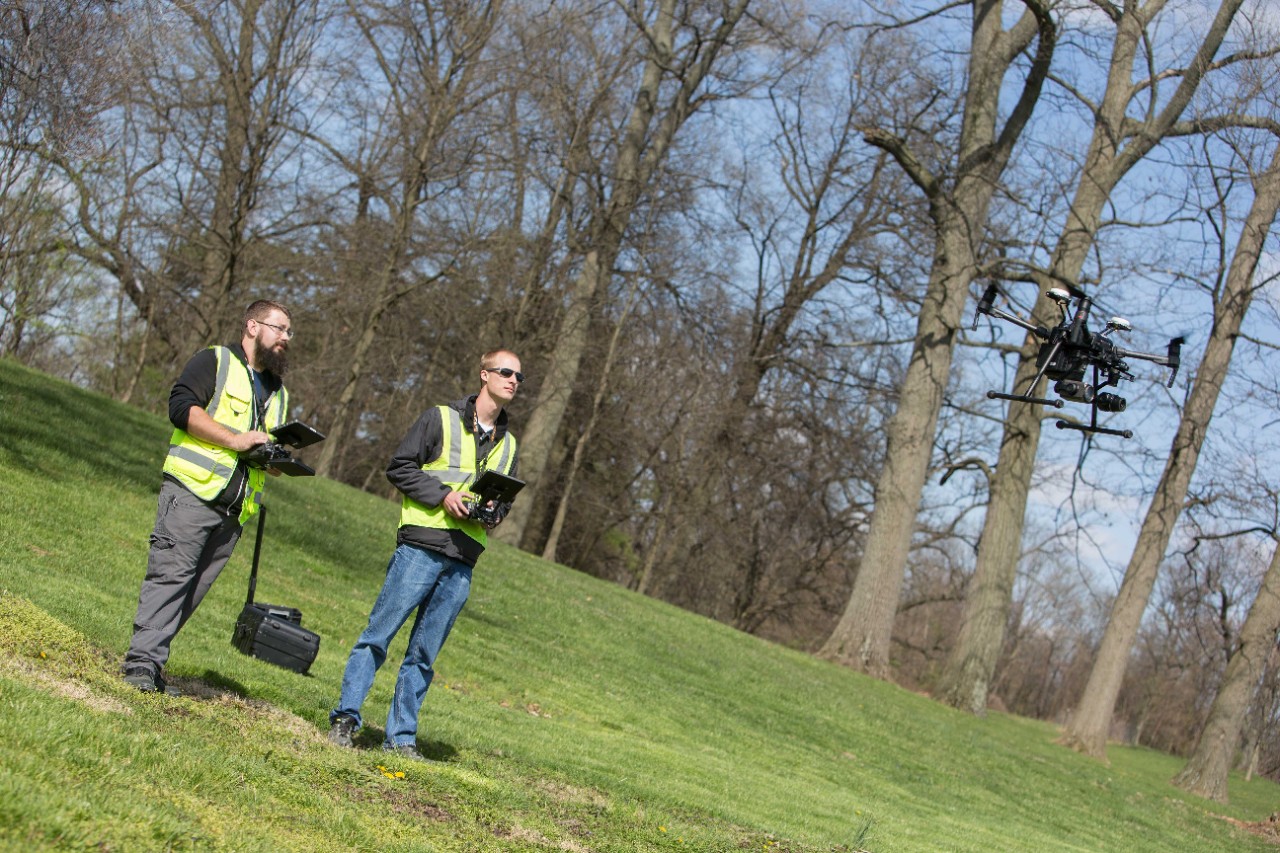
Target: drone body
[[1070, 350]]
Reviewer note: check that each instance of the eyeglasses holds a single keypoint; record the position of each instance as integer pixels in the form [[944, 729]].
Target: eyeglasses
[[281, 330], [507, 373]]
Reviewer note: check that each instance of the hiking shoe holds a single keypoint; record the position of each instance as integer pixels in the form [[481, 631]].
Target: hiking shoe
[[404, 750], [340, 732], [144, 678]]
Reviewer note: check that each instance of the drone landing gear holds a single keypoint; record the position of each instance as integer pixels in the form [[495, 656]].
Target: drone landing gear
[[1123, 433], [1025, 398]]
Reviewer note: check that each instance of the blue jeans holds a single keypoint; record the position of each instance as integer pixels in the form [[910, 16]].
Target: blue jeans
[[436, 587]]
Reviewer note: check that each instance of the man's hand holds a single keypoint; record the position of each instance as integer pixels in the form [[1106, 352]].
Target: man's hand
[[207, 429], [242, 441], [455, 503]]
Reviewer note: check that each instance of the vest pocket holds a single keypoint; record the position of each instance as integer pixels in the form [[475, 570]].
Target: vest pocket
[[238, 405]]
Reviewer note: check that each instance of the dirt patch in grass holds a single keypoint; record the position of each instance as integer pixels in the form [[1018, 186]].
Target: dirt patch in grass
[[20, 669], [252, 709], [1268, 829], [401, 801]]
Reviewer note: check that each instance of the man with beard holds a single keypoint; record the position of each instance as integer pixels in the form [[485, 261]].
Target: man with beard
[[224, 404]]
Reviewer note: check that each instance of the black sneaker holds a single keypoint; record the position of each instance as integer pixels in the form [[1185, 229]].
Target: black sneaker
[[144, 678], [404, 750], [341, 730]]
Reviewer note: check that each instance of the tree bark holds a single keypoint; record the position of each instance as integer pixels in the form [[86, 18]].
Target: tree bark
[[966, 679], [580, 446]]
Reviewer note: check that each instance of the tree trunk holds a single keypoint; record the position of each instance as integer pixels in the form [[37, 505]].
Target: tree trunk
[[553, 400], [966, 678], [1088, 727], [861, 638], [1206, 771], [580, 446]]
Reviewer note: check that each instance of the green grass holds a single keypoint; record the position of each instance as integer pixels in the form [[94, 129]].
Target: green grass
[[568, 714]]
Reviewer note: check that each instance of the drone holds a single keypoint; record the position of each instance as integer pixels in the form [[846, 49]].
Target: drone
[[1070, 349]]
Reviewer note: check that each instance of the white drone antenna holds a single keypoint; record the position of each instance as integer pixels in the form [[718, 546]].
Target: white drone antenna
[[1118, 324]]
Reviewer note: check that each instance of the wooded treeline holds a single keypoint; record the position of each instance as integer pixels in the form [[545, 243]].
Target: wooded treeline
[[735, 244]]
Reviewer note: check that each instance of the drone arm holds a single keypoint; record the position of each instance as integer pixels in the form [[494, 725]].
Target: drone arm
[[986, 306], [1039, 331], [1145, 356], [1171, 359]]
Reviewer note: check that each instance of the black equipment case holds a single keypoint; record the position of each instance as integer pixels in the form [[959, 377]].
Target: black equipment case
[[270, 632]]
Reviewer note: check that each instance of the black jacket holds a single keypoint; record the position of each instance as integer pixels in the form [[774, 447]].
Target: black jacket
[[422, 444]]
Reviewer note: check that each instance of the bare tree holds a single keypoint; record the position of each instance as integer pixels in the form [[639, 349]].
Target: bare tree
[[183, 212], [821, 211], [428, 58], [55, 81], [1088, 727], [959, 195], [257, 51], [677, 69], [1053, 627], [1206, 772]]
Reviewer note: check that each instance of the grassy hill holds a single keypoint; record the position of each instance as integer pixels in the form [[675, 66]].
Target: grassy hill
[[568, 714]]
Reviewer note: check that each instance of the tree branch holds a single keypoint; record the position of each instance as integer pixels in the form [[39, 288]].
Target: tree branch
[[897, 148]]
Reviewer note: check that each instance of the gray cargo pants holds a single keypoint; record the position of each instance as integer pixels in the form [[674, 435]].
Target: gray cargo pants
[[190, 544]]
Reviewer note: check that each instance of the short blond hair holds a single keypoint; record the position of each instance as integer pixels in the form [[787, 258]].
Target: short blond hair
[[486, 360]]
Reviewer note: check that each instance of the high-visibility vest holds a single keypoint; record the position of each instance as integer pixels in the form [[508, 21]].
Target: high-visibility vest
[[206, 468], [456, 467]]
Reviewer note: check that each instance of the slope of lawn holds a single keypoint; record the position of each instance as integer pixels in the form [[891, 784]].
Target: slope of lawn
[[567, 713]]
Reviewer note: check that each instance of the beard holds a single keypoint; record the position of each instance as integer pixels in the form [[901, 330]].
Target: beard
[[270, 360]]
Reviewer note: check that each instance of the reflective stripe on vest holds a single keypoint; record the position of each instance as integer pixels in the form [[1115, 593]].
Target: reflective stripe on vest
[[456, 468], [206, 468]]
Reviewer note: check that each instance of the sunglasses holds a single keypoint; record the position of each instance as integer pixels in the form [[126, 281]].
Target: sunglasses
[[507, 373]]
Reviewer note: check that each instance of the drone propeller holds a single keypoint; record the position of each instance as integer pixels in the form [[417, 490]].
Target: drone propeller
[[1175, 357], [984, 305]]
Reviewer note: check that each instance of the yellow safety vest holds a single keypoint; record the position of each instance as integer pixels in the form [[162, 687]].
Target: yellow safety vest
[[456, 467], [206, 468]]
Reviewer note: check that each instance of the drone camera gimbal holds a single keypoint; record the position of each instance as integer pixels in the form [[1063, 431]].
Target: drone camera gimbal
[[1070, 349]]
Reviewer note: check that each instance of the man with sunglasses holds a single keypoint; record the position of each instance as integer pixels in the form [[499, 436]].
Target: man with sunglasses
[[224, 404], [437, 546]]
